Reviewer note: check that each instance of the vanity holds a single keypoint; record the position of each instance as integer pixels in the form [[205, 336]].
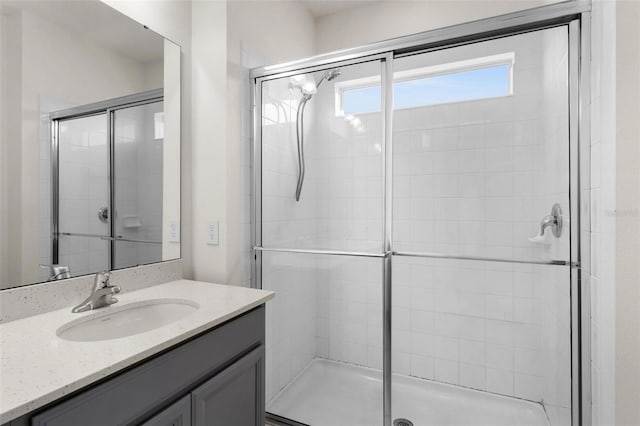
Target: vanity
[[98, 189], [121, 366]]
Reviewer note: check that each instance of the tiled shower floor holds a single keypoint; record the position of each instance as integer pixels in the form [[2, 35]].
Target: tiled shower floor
[[329, 393]]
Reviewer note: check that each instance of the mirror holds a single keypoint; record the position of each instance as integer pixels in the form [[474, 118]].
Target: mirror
[[89, 142]]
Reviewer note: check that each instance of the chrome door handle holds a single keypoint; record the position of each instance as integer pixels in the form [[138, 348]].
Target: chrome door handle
[[103, 214], [553, 221]]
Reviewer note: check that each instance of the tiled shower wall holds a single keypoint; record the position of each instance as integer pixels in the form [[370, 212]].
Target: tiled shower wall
[[470, 178], [138, 185], [339, 209], [84, 188], [290, 320]]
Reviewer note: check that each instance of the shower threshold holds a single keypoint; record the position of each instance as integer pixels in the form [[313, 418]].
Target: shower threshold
[[330, 393]]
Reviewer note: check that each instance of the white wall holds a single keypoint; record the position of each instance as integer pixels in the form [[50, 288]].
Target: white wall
[[627, 334], [171, 178], [615, 237], [209, 137], [602, 230], [10, 110], [255, 24], [248, 47], [378, 21]]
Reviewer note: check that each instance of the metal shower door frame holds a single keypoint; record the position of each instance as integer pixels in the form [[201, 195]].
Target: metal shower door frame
[[108, 108], [577, 17]]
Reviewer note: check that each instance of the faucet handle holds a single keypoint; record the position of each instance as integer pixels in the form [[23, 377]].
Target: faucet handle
[[102, 279], [553, 221]]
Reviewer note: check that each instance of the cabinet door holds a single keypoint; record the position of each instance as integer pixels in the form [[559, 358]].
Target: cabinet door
[[235, 396], [178, 414]]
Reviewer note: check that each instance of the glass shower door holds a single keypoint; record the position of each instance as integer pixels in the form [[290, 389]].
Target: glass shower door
[[321, 140], [481, 295], [108, 189], [138, 136], [83, 213]]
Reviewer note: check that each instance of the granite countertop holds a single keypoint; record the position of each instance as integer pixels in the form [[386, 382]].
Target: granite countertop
[[38, 367]]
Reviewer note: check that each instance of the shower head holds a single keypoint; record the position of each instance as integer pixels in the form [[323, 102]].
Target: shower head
[[329, 75], [334, 73], [309, 87]]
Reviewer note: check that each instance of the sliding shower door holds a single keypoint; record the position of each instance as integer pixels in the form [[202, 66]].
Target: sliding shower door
[[323, 254], [138, 135], [81, 209], [417, 215], [108, 184], [481, 293], [338, 147]]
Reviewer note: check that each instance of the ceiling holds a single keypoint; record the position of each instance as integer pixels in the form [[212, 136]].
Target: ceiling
[[100, 23]]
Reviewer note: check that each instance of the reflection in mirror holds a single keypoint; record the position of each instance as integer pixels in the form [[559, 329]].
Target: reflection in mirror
[[90, 142]]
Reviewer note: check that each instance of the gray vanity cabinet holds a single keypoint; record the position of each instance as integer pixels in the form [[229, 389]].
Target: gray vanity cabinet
[[214, 379], [178, 414], [233, 397]]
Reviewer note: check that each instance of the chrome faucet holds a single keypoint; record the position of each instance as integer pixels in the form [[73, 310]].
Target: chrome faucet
[[101, 295]]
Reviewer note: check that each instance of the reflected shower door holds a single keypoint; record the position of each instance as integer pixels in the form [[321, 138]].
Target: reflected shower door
[[481, 300], [138, 136], [324, 330], [83, 213]]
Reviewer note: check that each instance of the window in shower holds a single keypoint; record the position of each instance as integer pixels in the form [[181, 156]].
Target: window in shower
[[470, 79]]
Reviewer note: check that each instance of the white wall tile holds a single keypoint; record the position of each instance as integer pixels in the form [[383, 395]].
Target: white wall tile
[[447, 371], [422, 366], [500, 381], [473, 376]]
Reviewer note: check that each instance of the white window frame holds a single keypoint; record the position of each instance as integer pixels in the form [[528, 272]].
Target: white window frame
[[430, 71]]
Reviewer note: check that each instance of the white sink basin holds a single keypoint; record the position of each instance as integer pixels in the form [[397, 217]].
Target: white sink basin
[[115, 321]]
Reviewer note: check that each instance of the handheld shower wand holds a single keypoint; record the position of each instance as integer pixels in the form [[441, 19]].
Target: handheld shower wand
[[308, 89]]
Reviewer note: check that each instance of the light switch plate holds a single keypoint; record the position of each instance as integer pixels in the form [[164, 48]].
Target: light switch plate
[[174, 231], [213, 233]]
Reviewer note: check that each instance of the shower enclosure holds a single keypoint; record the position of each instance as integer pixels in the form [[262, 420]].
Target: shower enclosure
[[107, 179], [427, 271]]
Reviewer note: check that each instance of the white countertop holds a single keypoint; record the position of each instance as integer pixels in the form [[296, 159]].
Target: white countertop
[[38, 367]]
